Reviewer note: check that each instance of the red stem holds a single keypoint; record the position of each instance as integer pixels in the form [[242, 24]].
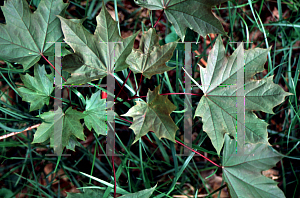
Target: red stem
[[181, 94], [126, 120], [53, 66], [198, 154], [186, 147], [59, 74], [133, 97], [140, 83], [123, 86], [159, 18]]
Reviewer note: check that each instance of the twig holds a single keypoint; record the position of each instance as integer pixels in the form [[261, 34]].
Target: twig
[[15, 133]]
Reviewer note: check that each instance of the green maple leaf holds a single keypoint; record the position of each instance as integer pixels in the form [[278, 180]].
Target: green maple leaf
[[70, 123], [73, 142], [153, 116], [218, 105], [140, 194], [38, 88], [193, 14], [89, 192], [96, 114], [24, 37], [150, 58], [242, 173], [94, 57]]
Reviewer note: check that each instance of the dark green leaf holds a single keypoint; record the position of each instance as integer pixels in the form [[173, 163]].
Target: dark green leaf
[[218, 105], [71, 126], [193, 14], [242, 173], [25, 35], [153, 116], [150, 58], [6, 193], [91, 193], [96, 114], [94, 55], [38, 88], [88, 193]]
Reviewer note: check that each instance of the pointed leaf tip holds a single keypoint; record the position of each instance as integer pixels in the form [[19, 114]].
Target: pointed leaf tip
[[218, 106], [26, 48], [153, 116], [151, 58]]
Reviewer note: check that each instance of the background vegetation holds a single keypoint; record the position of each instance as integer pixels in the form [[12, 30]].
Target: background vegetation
[[26, 171]]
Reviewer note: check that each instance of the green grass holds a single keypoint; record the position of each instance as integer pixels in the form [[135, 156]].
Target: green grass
[[150, 161]]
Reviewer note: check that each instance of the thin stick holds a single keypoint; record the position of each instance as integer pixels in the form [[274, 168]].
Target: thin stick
[[15, 133]]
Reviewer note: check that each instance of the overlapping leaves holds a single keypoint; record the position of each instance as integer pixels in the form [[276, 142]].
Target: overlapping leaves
[[98, 54], [193, 14], [150, 58], [153, 115], [219, 83], [89, 193], [242, 173], [26, 35]]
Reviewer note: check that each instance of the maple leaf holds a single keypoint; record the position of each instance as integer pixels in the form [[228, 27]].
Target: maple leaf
[[153, 116], [218, 105], [38, 88], [193, 14], [72, 143], [70, 123], [25, 35], [96, 114], [95, 57], [151, 58], [242, 173], [88, 193]]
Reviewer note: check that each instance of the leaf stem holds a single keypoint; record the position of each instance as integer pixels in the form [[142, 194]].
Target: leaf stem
[[161, 14], [115, 180], [185, 147], [136, 92], [198, 154], [134, 97], [53, 66], [181, 94], [123, 85], [58, 73], [139, 83]]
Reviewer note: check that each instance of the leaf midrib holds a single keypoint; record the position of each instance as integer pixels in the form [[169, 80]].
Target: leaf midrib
[[232, 116]]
